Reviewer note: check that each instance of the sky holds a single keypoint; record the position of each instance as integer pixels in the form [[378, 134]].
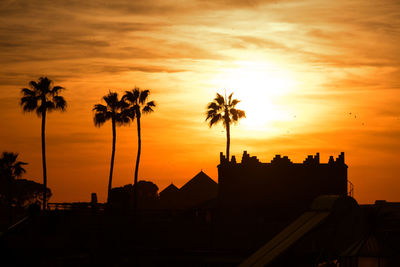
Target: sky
[[312, 76]]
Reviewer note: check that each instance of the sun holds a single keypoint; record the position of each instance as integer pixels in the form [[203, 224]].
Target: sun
[[261, 87]]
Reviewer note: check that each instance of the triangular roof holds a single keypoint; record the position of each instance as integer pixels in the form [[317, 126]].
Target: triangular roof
[[170, 189], [201, 179], [198, 190]]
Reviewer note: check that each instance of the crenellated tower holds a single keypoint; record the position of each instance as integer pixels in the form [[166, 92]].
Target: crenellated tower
[[279, 185]]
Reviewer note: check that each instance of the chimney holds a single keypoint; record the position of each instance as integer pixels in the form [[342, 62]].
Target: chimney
[[317, 158]]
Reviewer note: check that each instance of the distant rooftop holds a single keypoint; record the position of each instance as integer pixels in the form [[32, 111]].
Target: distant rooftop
[[169, 189]]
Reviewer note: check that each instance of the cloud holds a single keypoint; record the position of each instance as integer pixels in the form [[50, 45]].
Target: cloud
[[258, 42], [150, 69]]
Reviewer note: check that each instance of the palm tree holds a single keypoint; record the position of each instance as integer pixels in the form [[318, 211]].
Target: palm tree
[[43, 97], [223, 109], [112, 111], [138, 104], [10, 169]]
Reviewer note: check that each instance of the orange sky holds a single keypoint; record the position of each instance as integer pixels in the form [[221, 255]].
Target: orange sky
[[299, 67]]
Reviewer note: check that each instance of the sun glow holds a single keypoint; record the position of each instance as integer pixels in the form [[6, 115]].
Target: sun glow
[[260, 87]]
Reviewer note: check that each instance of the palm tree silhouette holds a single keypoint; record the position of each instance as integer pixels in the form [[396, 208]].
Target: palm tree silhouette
[[223, 109], [138, 104], [10, 169], [112, 111], [43, 97]]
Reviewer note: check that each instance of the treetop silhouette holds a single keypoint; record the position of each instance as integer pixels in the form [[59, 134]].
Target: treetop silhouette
[[114, 111], [44, 93], [10, 168], [43, 97], [138, 103], [223, 110]]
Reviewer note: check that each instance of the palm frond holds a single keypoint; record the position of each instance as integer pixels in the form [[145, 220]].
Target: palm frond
[[136, 93], [151, 103], [8, 158], [49, 105], [130, 97], [99, 119], [111, 99], [56, 90], [29, 103], [219, 99], [122, 118], [234, 103], [130, 112], [18, 169], [211, 113], [60, 103], [237, 114], [215, 106], [230, 99], [147, 109], [143, 96], [99, 108], [28, 92], [234, 114], [215, 119], [241, 113], [10, 166], [44, 85], [122, 105], [126, 113], [34, 85]]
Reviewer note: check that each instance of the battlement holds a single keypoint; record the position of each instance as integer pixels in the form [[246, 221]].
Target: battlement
[[281, 181], [311, 160]]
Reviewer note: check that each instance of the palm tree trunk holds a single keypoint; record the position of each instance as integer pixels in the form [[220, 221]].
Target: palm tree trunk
[[44, 159], [135, 193], [112, 160], [228, 139]]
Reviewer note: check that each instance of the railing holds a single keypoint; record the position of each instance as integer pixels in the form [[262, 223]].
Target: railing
[[75, 206]]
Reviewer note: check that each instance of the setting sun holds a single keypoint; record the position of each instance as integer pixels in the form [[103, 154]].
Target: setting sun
[[259, 86]]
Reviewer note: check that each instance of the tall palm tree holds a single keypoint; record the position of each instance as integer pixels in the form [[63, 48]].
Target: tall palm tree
[[223, 109], [10, 169], [138, 104], [43, 97], [112, 111]]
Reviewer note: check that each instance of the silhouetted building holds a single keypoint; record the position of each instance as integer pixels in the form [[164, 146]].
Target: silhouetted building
[[280, 185], [169, 197], [198, 190]]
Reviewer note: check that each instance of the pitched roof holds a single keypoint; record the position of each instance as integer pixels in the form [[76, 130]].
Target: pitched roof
[[169, 189], [199, 189], [201, 179]]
